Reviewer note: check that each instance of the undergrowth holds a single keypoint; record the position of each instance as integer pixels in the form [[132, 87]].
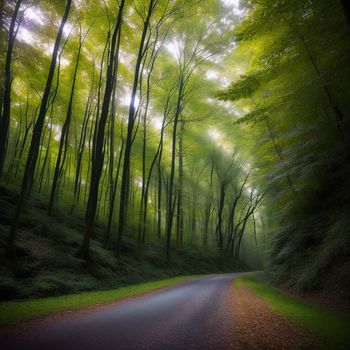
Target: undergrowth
[[311, 251], [46, 265]]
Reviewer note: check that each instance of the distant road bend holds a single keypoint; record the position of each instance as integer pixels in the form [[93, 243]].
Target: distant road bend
[[193, 315]]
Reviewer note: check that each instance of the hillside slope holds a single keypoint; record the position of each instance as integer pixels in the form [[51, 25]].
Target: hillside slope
[[312, 252], [46, 264]]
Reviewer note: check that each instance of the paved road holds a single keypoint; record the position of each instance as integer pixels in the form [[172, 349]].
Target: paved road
[[192, 315]]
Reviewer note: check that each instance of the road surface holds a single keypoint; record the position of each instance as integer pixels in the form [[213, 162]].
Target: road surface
[[193, 315]]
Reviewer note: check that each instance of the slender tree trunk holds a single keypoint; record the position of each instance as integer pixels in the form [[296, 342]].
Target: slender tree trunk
[[80, 150], [112, 204], [18, 138], [35, 142], [156, 156], [6, 101], [179, 210], [28, 126], [62, 150], [219, 233], [129, 137], [145, 180], [47, 151], [232, 215], [171, 202], [98, 154], [113, 183], [90, 151], [159, 201], [207, 214], [167, 111]]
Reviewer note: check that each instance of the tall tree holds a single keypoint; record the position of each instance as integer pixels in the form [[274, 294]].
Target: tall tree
[[36, 137], [98, 154], [5, 105], [64, 140], [130, 128]]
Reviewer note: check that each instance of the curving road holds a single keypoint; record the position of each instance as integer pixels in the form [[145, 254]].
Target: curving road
[[193, 315]]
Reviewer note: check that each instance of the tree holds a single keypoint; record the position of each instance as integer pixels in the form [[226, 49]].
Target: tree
[[5, 105], [36, 137], [62, 150], [130, 128], [98, 154]]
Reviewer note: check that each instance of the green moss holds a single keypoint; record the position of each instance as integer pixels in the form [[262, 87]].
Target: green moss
[[12, 312], [332, 329]]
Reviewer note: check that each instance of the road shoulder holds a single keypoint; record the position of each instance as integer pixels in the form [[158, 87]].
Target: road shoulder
[[257, 326]]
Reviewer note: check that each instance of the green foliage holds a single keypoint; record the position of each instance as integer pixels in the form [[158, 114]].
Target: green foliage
[[313, 253], [253, 117], [245, 87], [292, 107]]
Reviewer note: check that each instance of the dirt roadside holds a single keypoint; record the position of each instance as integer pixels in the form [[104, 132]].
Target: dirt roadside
[[256, 326]]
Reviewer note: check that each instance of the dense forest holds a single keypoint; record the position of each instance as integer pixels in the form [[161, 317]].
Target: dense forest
[[141, 139]]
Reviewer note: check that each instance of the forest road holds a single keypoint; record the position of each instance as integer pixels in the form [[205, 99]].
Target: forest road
[[193, 315]]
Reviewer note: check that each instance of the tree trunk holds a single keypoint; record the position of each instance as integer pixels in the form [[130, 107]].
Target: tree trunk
[[6, 101], [62, 150], [98, 154], [112, 204], [80, 150], [36, 137], [179, 210], [169, 217], [129, 137], [156, 156], [47, 152], [220, 219]]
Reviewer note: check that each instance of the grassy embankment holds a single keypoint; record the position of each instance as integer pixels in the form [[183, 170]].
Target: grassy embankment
[[332, 329], [12, 312]]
